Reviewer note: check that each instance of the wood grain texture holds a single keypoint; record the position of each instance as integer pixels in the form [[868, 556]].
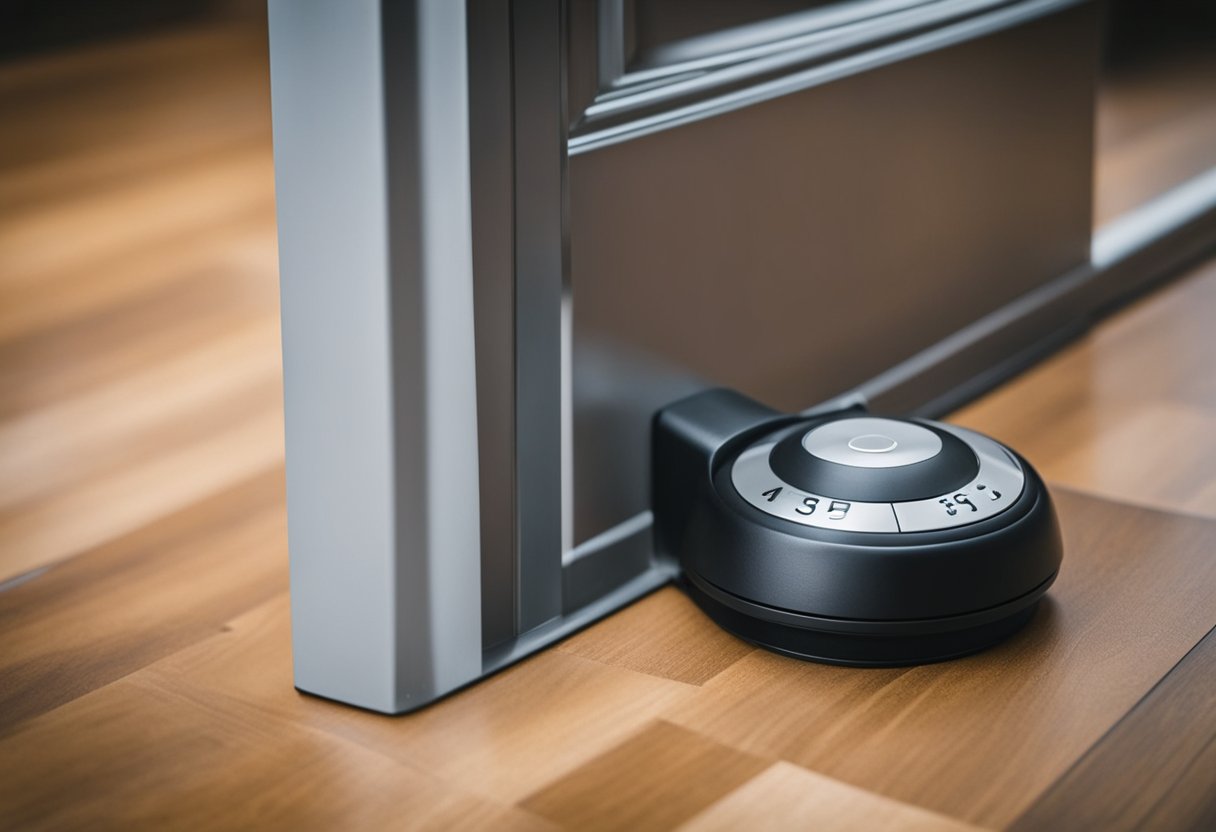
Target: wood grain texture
[[657, 778], [1156, 128], [1156, 769], [139, 356], [1129, 411], [122, 605], [151, 759], [786, 796], [502, 738], [980, 738], [145, 662], [663, 635]]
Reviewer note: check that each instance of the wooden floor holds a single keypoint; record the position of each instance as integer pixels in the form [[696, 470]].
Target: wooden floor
[[145, 666], [1156, 127]]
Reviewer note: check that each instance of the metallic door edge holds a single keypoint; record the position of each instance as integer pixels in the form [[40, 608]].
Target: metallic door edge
[[372, 185]]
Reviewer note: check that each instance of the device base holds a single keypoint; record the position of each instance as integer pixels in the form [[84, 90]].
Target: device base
[[863, 650]]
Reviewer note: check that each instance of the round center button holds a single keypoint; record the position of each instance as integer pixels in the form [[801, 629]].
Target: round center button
[[871, 442]]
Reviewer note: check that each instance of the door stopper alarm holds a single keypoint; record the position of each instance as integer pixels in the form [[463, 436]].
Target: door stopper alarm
[[850, 538]]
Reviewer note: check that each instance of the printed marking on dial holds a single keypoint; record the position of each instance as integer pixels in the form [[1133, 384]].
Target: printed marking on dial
[[995, 488], [757, 484]]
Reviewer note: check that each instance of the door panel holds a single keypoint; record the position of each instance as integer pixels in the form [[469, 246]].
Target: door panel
[[798, 246]]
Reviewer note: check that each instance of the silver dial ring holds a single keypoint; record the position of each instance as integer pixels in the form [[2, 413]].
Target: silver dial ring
[[996, 487]]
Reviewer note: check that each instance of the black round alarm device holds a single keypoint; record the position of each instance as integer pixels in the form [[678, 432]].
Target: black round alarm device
[[850, 538]]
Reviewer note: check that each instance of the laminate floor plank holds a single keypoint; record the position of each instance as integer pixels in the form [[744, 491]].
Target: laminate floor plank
[[66, 297], [1156, 769], [664, 634], [111, 611], [86, 515], [95, 117], [137, 417], [1156, 128], [134, 444], [136, 756], [503, 738], [979, 739], [76, 231], [1127, 412], [654, 780], [54, 365], [786, 796]]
